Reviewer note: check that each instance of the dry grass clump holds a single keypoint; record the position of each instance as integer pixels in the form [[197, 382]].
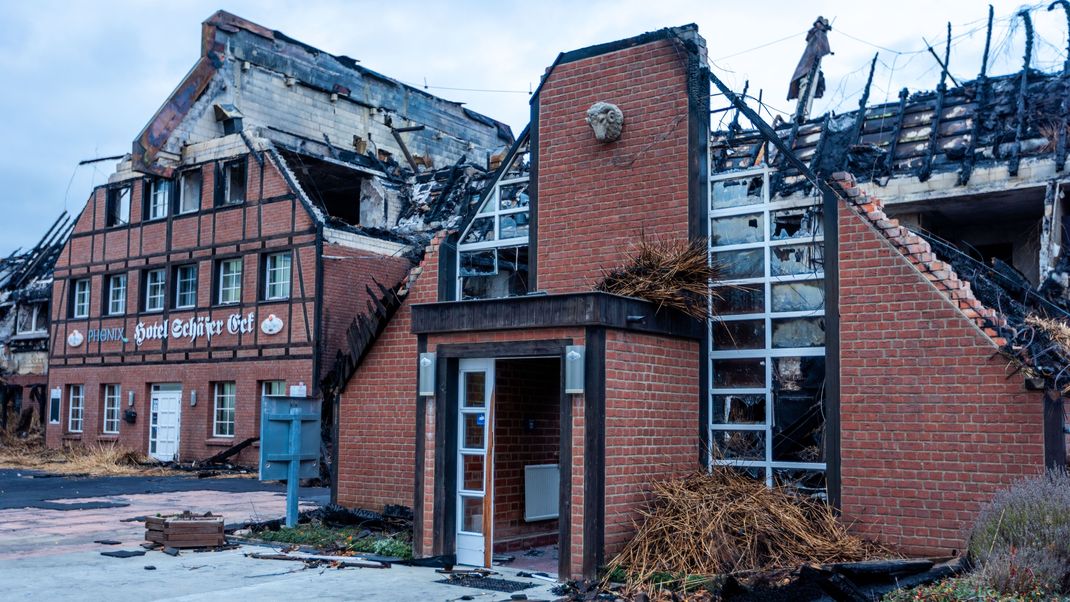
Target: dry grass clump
[[98, 459], [670, 274], [721, 521]]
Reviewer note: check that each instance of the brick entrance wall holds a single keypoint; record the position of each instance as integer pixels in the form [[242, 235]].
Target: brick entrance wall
[[932, 425]]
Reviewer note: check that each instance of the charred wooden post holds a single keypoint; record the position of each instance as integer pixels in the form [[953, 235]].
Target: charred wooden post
[[1019, 130], [733, 126], [938, 111], [982, 101], [861, 118], [1060, 139], [898, 131]]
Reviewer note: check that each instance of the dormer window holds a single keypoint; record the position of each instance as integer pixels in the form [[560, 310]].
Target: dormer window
[[492, 252]]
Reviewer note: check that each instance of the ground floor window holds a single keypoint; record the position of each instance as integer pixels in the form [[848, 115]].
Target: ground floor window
[[75, 407], [273, 388], [112, 393], [225, 397]]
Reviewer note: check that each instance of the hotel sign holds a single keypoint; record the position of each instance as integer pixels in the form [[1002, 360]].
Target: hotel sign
[[194, 328], [191, 329]]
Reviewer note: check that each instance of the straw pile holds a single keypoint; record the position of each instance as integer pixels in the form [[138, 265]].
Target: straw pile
[[670, 274], [724, 522]]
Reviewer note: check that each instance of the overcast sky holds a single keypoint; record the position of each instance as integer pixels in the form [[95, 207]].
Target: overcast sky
[[80, 79]]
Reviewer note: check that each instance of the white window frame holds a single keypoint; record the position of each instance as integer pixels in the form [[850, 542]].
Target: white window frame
[[184, 201], [80, 306], [767, 353], [494, 213], [234, 286], [179, 280], [155, 290], [224, 415], [117, 295], [75, 408], [38, 321], [159, 199], [266, 387], [112, 401], [272, 271]]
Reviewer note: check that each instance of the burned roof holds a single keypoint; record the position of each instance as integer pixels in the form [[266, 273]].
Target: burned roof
[[977, 124]]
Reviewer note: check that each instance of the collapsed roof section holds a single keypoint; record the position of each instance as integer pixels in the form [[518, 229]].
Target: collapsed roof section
[[250, 76]]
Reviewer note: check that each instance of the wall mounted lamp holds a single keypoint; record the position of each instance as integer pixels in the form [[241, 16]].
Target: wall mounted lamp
[[575, 362], [427, 374]]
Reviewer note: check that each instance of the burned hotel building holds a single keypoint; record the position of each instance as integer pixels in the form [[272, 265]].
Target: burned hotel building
[[256, 217], [881, 332]]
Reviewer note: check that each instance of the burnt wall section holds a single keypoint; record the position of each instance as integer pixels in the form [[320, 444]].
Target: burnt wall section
[[931, 424], [595, 198]]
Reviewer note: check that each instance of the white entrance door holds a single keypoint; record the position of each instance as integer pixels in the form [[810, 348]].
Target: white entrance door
[[475, 460], [165, 419]]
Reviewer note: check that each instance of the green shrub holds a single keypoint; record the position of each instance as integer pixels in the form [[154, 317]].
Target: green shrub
[[1021, 541]]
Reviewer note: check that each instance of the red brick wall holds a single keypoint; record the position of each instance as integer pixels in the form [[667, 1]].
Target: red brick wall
[[347, 274], [527, 430], [931, 424], [596, 198], [652, 418], [196, 440]]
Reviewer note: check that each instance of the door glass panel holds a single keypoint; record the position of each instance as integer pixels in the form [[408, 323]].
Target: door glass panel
[[808, 295], [798, 393], [741, 373], [475, 389], [798, 332], [473, 430], [472, 514], [739, 334], [730, 265], [473, 472], [737, 229], [739, 409]]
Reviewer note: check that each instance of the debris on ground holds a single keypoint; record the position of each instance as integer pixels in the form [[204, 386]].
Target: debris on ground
[[721, 521], [107, 542], [123, 553], [342, 531], [315, 561], [669, 274], [479, 581], [186, 530]]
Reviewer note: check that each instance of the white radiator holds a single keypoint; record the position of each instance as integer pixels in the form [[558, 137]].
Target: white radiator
[[542, 484]]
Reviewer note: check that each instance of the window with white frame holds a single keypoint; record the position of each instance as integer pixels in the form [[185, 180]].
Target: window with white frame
[[185, 286], [767, 339], [189, 194], [80, 298], [159, 199], [155, 289], [229, 282], [75, 407], [492, 253], [225, 397], [277, 276], [32, 319], [275, 388], [112, 396], [117, 294]]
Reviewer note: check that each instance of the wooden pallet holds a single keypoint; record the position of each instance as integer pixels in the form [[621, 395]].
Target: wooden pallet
[[185, 530]]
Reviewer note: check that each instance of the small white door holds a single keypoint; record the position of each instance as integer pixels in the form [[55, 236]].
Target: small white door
[[165, 418], [475, 459]]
